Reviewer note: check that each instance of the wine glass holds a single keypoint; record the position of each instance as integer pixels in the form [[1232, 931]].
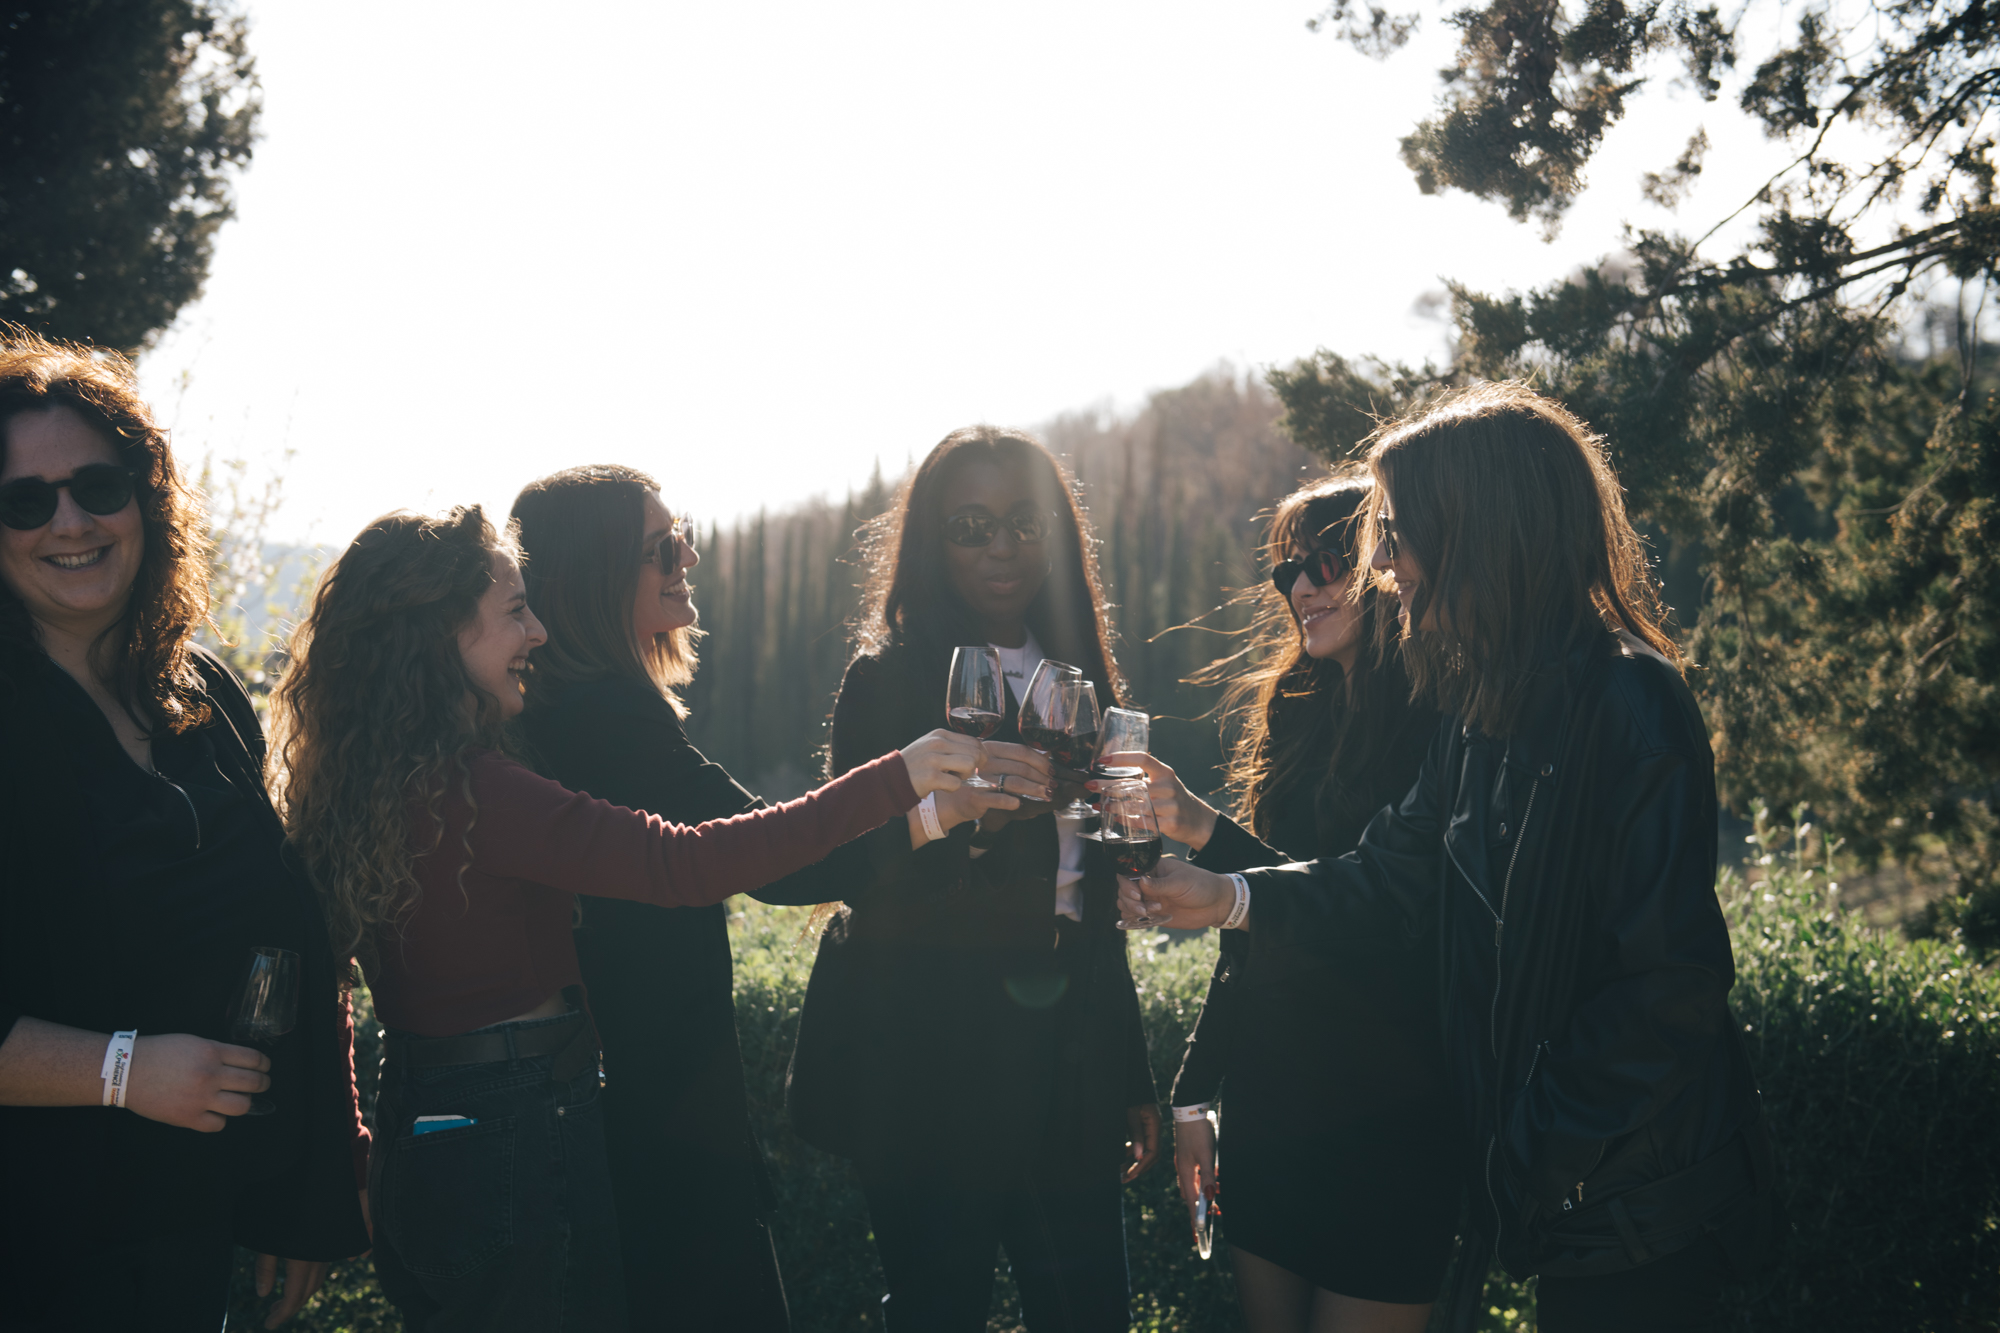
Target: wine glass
[[1125, 731], [1046, 707], [1131, 836], [975, 698], [1081, 741], [267, 1007]]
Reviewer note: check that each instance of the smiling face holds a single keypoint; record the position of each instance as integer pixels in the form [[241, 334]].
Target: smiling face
[[75, 572], [663, 601], [997, 580], [495, 646], [1329, 624]]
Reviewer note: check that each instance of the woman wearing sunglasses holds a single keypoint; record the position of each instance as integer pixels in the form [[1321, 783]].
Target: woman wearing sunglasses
[[970, 1037], [450, 871], [1341, 1189], [607, 568], [142, 866]]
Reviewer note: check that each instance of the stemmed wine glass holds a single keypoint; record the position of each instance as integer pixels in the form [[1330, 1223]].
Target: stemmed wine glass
[[1082, 741], [1125, 731], [268, 1006], [1046, 707], [1131, 836], [975, 698]]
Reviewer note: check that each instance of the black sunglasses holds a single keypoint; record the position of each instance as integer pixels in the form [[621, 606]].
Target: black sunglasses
[[28, 503], [1387, 527], [979, 529], [1322, 567]]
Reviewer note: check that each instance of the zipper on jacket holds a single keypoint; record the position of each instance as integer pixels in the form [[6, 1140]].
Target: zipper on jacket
[[1500, 918]]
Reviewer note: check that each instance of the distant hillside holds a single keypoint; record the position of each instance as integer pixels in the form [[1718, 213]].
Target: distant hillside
[[1173, 494]]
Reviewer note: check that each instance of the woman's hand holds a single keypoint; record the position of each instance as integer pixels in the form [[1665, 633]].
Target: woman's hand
[[1181, 814], [942, 761], [192, 1082], [1019, 768], [1194, 1151], [303, 1277], [1190, 898], [1144, 1123]]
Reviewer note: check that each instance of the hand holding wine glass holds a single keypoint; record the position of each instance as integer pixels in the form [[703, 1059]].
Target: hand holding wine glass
[[1131, 838], [1179, 895], [975, 702]]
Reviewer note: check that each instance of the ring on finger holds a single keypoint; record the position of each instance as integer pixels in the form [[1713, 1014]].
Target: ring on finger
[[1003, 782]]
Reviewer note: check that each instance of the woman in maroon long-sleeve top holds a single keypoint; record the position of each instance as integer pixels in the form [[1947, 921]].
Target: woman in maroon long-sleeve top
[[449, 871]]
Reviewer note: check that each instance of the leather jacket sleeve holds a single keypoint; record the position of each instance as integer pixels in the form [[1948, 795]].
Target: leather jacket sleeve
[[1384, 891], [1648, 1021]]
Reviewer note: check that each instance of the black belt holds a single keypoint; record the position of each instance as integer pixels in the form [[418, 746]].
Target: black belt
[[573, 1043]]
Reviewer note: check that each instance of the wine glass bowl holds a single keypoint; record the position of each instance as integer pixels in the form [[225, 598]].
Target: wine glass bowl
[[1125, 731], [267, 1006], [1131, 838], [975, 698]]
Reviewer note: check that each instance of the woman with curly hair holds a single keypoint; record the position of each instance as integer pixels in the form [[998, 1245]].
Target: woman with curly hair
[[142, 866], [450, 872], [1341, 1190], [970, 1037]]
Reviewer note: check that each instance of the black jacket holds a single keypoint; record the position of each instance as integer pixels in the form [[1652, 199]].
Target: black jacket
[[1567, 874], [128, 901], [939, 1018]]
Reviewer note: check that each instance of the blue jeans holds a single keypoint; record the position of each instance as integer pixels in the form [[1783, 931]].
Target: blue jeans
[[504, 1226]]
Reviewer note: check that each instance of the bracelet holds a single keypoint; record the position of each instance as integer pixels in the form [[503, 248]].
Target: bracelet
[[118, 1067], [927, 811], [1242, 908], [1185, 1115]]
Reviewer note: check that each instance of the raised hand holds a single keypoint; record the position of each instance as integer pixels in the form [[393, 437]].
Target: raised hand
[[1188, 898], [1181, 814], [942, 760]]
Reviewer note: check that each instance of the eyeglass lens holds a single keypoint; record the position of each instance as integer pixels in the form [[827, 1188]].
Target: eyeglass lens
[[98, 488]]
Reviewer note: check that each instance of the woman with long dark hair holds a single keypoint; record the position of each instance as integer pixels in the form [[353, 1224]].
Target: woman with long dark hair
[[1341, 1189], [970, 1037], [1558, 849], [449, 871], [142, 865], [607, 571]]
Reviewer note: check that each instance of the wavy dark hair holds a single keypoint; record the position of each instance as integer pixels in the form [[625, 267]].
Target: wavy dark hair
[[373, 713], [908, 601], [1298, 720], [147, 656], [581, 531], [1509, 505]]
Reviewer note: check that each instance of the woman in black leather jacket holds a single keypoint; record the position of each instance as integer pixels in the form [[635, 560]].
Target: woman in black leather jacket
[[1560, 847]]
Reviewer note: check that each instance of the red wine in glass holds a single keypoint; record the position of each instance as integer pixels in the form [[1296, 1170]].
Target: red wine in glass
[[1135, 857], [1071, 751], [972, 721], [975, 696]]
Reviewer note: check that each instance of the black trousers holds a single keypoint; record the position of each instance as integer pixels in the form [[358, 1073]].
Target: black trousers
[[1066, 1246], [1681, 1293]]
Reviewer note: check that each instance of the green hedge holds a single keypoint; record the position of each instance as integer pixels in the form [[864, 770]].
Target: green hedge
[[1880, 1064]]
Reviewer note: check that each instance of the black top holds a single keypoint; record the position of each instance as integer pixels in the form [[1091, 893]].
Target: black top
[[940, 1014], [131, 901], [1328, 1045], [659, 979]]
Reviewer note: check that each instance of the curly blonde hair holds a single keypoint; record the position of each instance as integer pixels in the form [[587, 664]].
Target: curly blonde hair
[[377, 710], [147, 657]]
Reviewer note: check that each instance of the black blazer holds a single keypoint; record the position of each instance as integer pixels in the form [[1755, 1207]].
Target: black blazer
[[122, 904], [939, 1014]]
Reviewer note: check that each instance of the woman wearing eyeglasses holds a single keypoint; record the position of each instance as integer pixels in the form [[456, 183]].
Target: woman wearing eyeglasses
[[1340, 1185], [607, 571], [142, 864], [970, 1038]]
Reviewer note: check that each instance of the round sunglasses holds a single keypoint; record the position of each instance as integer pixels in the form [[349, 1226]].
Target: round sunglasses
[[27, 503], [980, 527], [1322, 567]]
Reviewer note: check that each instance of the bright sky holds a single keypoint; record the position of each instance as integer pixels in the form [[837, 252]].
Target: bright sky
[[754, 248]]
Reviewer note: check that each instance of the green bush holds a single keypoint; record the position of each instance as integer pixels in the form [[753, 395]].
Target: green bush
[[1879, 1060]]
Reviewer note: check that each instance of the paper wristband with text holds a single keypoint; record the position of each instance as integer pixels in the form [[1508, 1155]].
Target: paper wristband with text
[[1188, 1114], [1242, 908], [118, 1066], [927, 811]]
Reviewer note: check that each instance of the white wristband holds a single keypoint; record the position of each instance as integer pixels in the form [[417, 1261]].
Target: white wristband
[[927, 811], [117, 1069], [1188, 1114], [1242, 908]]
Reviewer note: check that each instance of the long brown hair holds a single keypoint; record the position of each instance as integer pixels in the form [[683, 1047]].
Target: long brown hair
[[908, 599], [147, 656], [373, 712], [1509, 505], [581, 531], [1298, 719]]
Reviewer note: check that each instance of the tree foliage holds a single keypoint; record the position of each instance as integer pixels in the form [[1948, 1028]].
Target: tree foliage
[[1803, 420], [122, 126]]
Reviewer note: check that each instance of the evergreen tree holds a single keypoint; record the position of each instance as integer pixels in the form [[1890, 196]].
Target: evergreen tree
[[122, 125]]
